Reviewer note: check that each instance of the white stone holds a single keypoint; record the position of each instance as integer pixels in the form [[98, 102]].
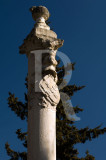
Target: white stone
[[43, 93]]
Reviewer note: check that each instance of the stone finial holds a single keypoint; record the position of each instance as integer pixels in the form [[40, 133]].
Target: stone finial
[[40, 12], [40, 37]]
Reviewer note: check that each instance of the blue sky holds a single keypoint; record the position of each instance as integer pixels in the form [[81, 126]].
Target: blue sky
[[82, 25]]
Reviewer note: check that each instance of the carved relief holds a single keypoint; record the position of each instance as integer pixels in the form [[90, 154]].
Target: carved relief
[[42, 38], [48, 96]]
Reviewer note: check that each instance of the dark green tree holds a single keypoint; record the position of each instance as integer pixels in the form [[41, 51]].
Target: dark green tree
[[67, 134]]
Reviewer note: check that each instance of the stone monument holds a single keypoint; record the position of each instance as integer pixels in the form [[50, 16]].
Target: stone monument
[[40, 46]]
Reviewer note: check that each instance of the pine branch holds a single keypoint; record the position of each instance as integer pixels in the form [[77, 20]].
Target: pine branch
[[15, 155], [70, 89], [77, 109], [22, 137], [20, 109]]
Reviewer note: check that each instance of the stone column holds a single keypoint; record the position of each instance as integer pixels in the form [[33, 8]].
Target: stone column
[[40, 47]]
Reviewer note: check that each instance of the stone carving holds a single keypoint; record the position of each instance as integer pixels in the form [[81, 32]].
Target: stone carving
[[49, 64], [48, 95], [40, 11], [51, 96], [43, 93], [42, 38]]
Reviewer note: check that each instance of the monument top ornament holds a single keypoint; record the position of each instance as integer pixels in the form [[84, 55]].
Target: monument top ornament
[[41, 37], [40, 11]]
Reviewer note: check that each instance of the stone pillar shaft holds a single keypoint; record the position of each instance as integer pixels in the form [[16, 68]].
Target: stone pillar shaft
[[43, 93], [41, 118], [41, 134]]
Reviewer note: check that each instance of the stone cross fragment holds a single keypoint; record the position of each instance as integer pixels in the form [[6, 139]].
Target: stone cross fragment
[[40, 46]]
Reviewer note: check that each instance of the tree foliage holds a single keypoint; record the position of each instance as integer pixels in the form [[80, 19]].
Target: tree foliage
[[67, 134]]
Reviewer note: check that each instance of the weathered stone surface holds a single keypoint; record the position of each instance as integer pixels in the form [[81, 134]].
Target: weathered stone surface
[[41, 37], [48, 95], [40, 11], [43, 93]]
